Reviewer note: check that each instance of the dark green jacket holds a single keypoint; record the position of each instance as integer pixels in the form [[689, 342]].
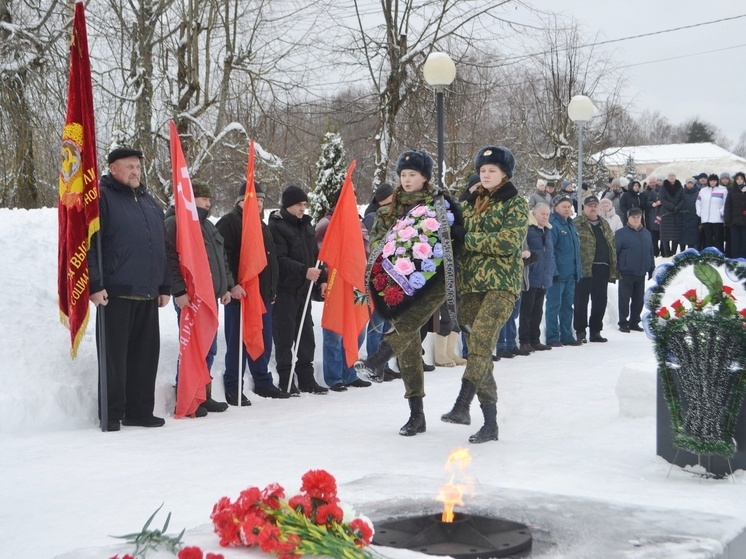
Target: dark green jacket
[[490, 259], [588, 246]]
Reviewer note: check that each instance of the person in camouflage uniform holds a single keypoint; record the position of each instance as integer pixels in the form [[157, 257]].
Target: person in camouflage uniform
[[598, 262], [415, 171], [490, 278]]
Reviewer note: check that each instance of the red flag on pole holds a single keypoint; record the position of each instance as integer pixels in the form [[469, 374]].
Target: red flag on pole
[[251, 261], [199, 320], [78, 212], [345, 306]]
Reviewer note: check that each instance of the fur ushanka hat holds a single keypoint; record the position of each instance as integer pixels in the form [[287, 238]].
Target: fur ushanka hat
[[500, 156]]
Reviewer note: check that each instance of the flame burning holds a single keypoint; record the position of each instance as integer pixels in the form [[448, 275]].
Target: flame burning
[[452, 493]]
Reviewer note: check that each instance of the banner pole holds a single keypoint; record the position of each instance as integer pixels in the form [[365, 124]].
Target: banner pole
[[291, 377], [103, 384]]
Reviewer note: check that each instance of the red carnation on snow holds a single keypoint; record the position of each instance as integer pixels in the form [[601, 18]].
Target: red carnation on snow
[[362, 531], [328, 513], [301, 503], [319, 484], [192, 552]]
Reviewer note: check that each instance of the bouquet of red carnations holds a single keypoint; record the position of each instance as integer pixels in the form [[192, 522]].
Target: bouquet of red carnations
[[310, 523]]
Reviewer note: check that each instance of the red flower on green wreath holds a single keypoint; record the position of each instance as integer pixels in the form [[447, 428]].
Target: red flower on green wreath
[[728, 290], [691, 295], [678, 308], [310, 523], [393, 295], [663, 313]]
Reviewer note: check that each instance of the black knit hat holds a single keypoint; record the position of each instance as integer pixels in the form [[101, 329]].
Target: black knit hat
[[383, 191], [713, 177], [258, 187], [201, 189], [122, 152], [701, 176], [493, 155], [416, 160], [474, 179], [739, 174], [293, 195]]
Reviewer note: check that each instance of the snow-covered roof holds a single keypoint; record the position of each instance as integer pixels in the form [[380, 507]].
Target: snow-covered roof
[[662, 154]]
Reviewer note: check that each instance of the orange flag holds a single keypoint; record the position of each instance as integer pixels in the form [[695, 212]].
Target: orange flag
[[199, 320], [345, 306], [78, 212], [251, 261]]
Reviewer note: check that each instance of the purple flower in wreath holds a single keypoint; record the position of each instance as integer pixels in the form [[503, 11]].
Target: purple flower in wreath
[[429, 265], [450, 218], [417, 280], [423, 238], [431, 213], [438, 250], [447, 204], [400, 251]]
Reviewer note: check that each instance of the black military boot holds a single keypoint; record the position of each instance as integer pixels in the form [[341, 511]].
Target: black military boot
[[374, 366], [416, 423], [489, 430], [460, 412], [210, 405]]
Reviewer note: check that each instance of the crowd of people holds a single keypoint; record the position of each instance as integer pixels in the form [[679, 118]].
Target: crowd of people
[[508, 262]]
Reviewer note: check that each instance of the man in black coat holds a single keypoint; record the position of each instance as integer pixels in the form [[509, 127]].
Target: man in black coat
[[634, 249], [230, 227], [297, 254], [136, 281]]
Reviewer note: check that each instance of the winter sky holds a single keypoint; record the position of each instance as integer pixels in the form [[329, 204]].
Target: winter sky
[[679, 73]]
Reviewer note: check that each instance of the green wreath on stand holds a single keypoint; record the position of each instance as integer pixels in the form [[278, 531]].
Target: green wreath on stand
[[700, 345]]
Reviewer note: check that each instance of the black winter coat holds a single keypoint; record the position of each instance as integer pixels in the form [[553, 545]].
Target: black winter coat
[[297, 250], [690, 229], [672, 202], [222, 278], [735, 207], [230, 227], [133, 240], [651, 213], [629, 200]]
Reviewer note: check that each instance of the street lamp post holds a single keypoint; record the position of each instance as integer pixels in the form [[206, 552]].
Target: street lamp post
[[580, 110], [439, 72]]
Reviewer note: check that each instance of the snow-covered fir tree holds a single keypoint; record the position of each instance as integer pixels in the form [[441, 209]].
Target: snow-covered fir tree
[[330, 175], [600, 174], [630, 168]]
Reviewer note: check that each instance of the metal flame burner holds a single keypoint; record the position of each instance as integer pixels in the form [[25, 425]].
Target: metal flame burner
[[467, 537]]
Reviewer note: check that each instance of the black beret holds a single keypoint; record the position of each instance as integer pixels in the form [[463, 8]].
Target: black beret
[[293, 195], [500, 156], [120, 153], [419, 161]]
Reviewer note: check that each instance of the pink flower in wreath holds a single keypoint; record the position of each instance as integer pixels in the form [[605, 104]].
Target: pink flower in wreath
[[404, 266], [407, 233], [430, 224], [388, 249], [422, 251], [418, 211]]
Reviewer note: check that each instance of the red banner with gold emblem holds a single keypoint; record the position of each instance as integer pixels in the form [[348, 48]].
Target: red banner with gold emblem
[[78, 185]]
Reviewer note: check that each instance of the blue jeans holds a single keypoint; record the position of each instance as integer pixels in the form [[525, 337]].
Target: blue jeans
[[560, 298], [211, 353], [509, 333], [259, 368], [335, 366], [374, 333]]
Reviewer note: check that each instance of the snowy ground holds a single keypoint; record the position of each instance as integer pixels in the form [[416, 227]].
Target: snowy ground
[[574, 460]]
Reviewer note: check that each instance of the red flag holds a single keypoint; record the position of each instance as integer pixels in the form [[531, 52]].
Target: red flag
[[199, 320], [345, 306], [78, 213], [251, 261]]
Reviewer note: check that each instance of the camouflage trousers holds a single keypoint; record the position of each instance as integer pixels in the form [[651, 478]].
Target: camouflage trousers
[[406, 343], [483, 315]]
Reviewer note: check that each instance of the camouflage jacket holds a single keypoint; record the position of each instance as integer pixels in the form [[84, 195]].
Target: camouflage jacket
[[387, 215], [588, 246], [491, 256]]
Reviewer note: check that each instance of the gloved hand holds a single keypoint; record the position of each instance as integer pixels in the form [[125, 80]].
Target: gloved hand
[[458, 233]]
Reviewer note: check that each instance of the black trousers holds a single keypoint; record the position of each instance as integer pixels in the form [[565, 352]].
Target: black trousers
[[286, 316], [656, 236], [133, 345], [532, 310], [738, 241], [631, 288], [714, 235], [594, 288]]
